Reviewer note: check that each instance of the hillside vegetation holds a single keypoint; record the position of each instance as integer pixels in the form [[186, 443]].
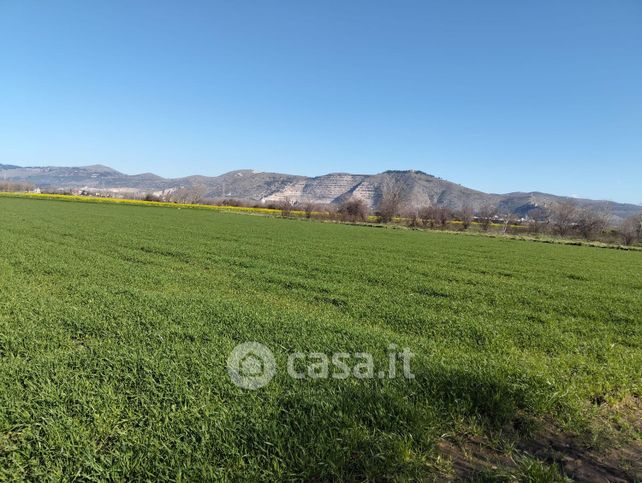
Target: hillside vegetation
[[116, 322]]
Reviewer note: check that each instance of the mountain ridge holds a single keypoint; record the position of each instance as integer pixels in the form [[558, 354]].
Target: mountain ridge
[[420, 188]]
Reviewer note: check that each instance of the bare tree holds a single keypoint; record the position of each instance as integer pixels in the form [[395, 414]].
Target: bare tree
[[286, 207], [466, 215], [486, 215], [509, 220], [324, 211], [564, 217], [309, 209], [353, 210], [427, 216], [391, 200], [15, 186], [183, 195], [593, 221], [411, 216], [444, 215], [631, 230], [538, 219]]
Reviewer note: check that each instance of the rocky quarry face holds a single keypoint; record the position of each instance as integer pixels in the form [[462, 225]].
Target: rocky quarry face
[[324, 189]]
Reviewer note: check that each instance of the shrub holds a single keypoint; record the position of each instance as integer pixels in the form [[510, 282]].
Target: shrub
[[152, 197]]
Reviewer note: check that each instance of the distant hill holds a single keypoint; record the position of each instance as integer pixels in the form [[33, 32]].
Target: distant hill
[[420, 188]]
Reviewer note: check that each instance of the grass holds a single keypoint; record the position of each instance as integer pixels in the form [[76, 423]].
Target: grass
[[125, 201], [116, 322]]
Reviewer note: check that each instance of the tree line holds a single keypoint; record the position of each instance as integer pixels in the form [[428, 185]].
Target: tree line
[[565, 219]]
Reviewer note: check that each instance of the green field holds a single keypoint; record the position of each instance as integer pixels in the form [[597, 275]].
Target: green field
[[116, 323]]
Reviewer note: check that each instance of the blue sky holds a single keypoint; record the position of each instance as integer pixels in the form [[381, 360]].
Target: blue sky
[[496, 95]]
